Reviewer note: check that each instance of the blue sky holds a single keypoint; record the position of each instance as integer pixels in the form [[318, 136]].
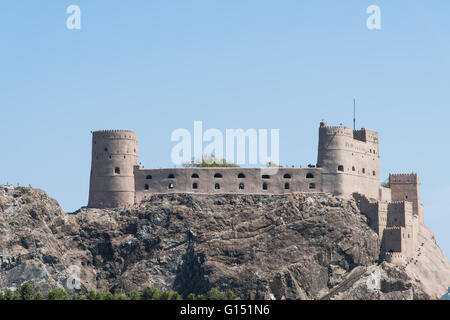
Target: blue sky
[[155, 66]]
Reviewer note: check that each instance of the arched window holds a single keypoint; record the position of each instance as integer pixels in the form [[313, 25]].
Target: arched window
[[195, 185], [171, 186], [217, 186], [309, 176], [287, 186], [117, 170], [195, 176], [241, 176], [312, 185], [241, 186], [149, 177], [373, 172], [171, 176], [265, 176], [218, 175], [146, 187], [363, 170], [353, 168], [341, 168], [264, 186], [287, 176]]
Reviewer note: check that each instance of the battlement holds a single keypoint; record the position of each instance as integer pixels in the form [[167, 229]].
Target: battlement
[[395, 257], [404, 178], [362, 135], [115, 134]]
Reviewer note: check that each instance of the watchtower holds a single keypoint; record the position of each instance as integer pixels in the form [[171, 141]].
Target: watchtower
[[406, 187], [350, 160], [114, 154]]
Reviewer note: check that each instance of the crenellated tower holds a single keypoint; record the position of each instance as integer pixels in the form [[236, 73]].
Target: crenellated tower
[[350, 160], [114, 154]]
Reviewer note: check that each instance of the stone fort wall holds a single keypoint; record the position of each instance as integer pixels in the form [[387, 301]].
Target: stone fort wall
[[226, 180]]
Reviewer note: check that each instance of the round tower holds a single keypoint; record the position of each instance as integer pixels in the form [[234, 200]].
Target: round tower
[[114, 155], [350, 160]]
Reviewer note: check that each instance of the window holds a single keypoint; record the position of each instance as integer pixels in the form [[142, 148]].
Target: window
[[171, 176], [363, 170], [241, 176], [195, 185], [218, 175], [106, 149], [353, 168], [373, 172], [265, 176], [171, 186], [117, 170], [287, 186], [309, 176], [264, 186], [241, 186], [287, 176], [312, 185], [217, 186], [406, 196], [149, 177], [341, 168], [195, 176], [146, 187]]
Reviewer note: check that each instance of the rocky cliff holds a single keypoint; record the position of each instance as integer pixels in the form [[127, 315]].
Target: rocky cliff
[[260, 246]]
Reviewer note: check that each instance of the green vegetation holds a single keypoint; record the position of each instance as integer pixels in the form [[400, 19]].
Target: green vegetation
[[386, 183], [210, 162], [27, 291]]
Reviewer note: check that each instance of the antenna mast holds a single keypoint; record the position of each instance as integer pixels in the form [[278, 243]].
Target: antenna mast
[[354, 114]]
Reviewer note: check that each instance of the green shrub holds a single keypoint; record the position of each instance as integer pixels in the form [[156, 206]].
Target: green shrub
[[58, 294]]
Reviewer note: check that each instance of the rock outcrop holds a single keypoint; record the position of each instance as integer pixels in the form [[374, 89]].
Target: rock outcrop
[[302, 246]]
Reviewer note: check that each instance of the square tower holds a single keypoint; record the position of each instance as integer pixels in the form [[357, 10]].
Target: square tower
[[406, 187]]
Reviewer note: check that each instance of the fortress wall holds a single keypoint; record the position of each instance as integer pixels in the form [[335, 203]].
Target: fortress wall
[[393, 239], [396, 214], [252, 181], [350, 159], [385, 194]]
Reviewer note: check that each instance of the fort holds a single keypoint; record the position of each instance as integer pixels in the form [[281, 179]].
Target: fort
[[348, 165]]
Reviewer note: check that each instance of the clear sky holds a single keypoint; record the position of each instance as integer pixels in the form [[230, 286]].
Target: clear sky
[[155, 66]]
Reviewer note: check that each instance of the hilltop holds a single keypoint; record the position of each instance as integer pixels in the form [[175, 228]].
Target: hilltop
[[299, 246]]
